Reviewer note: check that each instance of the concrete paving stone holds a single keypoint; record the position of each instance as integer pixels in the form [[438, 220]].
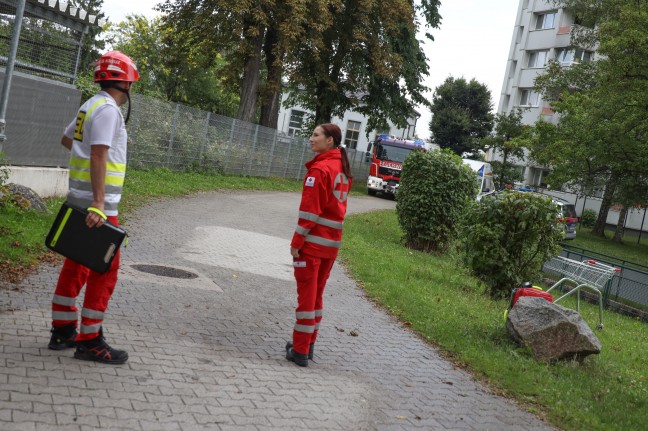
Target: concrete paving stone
[[159, 426], [46, 408], [184, 408], [29, 417], [119, 424], [76, 401], [147, 405], [216, 410], [79, 417], [14, 388], [18, 397], [20, 426], [71, 383], [48, 427], [5, 414], [234, 427]]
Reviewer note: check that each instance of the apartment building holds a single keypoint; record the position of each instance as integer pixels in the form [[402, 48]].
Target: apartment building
[[541, 33], [355, 134]]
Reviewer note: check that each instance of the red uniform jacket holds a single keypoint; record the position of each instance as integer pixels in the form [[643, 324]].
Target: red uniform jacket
[[323, 206]]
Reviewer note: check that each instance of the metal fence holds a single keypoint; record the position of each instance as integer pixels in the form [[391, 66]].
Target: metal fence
[[629, 286], [179, 137], [46, 49]]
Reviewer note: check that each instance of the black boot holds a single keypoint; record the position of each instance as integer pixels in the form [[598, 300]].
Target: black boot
[[298, 358], [63, 337], [311, 351], [99, 351]]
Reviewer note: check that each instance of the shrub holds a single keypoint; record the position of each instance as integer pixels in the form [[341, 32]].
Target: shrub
[[506, 238], [588, 218], [435, 188]]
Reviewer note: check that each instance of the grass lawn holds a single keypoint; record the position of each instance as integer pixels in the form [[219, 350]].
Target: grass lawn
[[447, 307], [433, 296]]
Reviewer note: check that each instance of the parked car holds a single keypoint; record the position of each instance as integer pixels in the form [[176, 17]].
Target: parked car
[[567, 214]]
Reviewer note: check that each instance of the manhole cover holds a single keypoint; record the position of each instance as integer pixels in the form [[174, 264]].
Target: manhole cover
[[165, 271]]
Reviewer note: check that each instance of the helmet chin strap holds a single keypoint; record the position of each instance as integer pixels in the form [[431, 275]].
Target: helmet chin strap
[[127, 92]]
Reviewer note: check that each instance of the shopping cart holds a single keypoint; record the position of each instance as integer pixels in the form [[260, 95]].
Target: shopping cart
[[588, 273]]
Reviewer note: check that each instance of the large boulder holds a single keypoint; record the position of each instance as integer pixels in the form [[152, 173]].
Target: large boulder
[[23, 196], [551, 331]]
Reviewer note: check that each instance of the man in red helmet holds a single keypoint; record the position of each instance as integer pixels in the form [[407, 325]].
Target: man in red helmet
[[97, 142]]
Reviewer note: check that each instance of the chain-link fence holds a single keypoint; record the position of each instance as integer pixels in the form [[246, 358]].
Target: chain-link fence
[[176, 136], [46, 49]]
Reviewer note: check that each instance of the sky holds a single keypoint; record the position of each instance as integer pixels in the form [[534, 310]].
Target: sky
[[473, 41]]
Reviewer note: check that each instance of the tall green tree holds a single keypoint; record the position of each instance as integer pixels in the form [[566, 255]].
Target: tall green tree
[[254, 37], [461, 115], [509, 138], [603, 106], [172, 69], [334, 54], [365, 56]]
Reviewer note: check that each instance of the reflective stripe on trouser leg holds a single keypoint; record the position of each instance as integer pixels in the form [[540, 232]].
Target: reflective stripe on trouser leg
[[99, 289], [306, 277], [322, 278], [71, 280]]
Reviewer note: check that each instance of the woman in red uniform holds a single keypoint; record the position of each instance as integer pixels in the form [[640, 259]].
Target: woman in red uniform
[[318, 235]]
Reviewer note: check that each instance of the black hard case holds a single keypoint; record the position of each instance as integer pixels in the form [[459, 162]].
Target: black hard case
[[94, 247]]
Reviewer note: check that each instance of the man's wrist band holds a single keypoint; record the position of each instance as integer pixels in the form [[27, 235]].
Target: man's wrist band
[[98, 211]]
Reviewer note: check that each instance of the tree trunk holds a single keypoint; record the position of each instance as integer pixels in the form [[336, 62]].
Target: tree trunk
[[606, 203], [323, 112], [250, 81], [620, 229], [271, 94]]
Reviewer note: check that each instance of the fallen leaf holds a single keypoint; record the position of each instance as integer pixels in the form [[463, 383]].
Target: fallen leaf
[[353, 333]]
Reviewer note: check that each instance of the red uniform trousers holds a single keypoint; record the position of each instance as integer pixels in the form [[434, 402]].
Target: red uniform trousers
[[99, 289], [311, 274]]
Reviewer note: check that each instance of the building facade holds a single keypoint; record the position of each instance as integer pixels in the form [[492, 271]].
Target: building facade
[[353, 124], [541, 33]]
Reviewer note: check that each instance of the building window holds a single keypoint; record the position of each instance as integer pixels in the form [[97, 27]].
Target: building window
[[529, 98], [545, 21], [296, 122], [352, 135], [537, 59], [566, 57]]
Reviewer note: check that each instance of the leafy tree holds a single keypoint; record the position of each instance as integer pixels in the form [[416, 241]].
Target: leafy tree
[[363, 56], [172, 69], [92, 45], [461, 115], [509, 138], [505, 239], [603, 106], [254, 36], [434, 190], [335, 54]]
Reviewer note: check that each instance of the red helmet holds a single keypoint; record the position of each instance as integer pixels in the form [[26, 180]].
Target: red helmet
[[115, 66]]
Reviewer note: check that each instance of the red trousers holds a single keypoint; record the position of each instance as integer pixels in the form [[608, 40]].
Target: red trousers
[[99, 289], [311, 274]]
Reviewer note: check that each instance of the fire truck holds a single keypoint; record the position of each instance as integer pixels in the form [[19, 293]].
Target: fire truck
[[386, 157]]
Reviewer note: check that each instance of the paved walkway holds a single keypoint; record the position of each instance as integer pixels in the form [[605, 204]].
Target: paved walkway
[[207, 353]]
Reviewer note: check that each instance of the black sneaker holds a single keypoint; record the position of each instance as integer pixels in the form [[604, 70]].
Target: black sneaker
[[298, 358], [99, 351], [63, 337]]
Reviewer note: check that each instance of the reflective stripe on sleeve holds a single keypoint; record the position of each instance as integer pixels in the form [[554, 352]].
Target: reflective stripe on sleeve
[[320, 220], [323, 241], [302, 230], [319, 313]]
